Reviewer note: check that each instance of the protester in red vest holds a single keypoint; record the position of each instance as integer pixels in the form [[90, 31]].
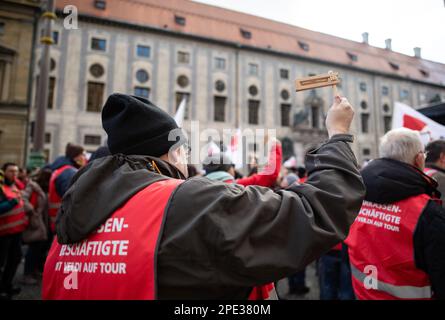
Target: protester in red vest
[[435, 165], [12, 224], [131, 227], [64, 168], [397, 242]]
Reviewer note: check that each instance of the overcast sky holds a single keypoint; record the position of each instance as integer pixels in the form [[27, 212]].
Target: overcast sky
[[409, 23]]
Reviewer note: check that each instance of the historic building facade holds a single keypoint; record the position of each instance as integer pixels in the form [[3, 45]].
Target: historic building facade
[[18, 21], [236, 70]]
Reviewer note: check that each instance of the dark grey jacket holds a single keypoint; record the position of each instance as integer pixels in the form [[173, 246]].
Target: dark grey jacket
[[219, 240]]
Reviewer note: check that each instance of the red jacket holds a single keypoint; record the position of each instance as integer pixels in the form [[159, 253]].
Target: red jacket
[[269, 175]]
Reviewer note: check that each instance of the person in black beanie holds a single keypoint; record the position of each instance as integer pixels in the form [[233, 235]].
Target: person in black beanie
[[151, 234]]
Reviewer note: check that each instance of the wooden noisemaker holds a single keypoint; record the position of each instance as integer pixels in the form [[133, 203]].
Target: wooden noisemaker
[[322, 80]]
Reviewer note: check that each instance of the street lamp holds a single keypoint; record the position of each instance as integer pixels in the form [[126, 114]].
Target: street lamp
[[37, 157]]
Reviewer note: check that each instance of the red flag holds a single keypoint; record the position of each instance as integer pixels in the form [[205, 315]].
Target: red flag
[[413, 123]]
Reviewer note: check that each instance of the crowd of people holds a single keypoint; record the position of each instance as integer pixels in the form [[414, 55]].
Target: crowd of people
[[376, 232]]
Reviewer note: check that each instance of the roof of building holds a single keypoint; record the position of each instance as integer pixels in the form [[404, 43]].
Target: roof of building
[[220, 24]]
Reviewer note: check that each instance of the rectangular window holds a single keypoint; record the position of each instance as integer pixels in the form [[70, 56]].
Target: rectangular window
[[365, 122], [179, 97], [92, 140], [220, 63], [404, 94], [284, 74], [363, 86], [142, 92], [387, 122], [303, 45], [46, 155], [100, 4], [32, 125], [315, 116], [220, 109], [352, 56], [2, 77], [98, 44], [183, 57], [56, 37], [254, 107], [47, 137], [180, 20], [424, 73], [253, 69], [143, 51], [395, 66], [285, 115], [2, 28], [51, 86], [95, 96], [246, 34], [385, 90]]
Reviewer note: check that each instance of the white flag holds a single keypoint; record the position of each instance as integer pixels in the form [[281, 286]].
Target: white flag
[[407, 117], [179, 116]]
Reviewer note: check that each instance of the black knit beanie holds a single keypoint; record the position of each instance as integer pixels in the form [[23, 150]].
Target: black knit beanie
[[135, 126]]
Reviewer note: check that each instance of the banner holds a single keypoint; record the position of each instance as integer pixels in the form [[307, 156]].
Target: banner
[[407, 117]]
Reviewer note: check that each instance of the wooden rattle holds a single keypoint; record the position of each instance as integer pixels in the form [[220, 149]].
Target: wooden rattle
[[323, 80]]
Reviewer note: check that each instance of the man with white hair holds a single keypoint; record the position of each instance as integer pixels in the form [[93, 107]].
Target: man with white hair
[[397, 242]]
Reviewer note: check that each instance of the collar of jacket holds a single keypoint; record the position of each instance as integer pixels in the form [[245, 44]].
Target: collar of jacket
[[220, 176], [389, 181], [102, 187], [342, 137], [8, 182]]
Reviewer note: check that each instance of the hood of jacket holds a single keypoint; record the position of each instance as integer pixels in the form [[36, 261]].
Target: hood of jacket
[[102, 187], [389, 181], [220, 176]]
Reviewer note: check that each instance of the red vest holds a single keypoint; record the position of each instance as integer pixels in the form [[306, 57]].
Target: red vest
[[381, 251], [15, 220], [54, 200], [118, 261]]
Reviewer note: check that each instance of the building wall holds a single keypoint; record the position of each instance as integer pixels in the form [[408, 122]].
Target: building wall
[[16, 48], [69, 121]]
